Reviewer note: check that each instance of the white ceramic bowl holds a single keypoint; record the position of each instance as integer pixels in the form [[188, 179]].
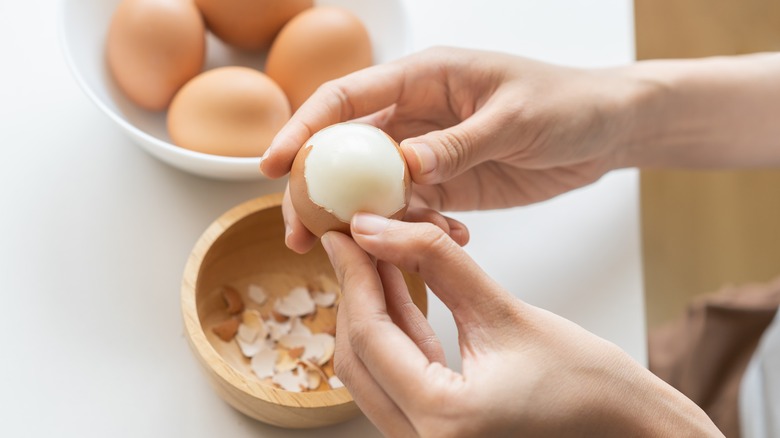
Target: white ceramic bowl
[[83, 26]]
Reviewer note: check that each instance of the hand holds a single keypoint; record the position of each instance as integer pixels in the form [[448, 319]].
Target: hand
[[526, 372], [479, 130]]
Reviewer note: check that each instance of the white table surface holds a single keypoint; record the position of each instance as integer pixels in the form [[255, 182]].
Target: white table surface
[[95, 234]]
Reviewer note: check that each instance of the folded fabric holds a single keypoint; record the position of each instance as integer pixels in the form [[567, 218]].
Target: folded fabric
[[705, 353]]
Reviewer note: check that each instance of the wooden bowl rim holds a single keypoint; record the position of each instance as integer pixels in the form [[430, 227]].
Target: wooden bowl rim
[[197, 338]]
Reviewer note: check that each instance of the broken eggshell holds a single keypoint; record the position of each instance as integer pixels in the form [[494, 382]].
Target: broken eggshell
[[324, 299], [257, 294], [297, 302], [263, 363], [347, 168], [236, 249]]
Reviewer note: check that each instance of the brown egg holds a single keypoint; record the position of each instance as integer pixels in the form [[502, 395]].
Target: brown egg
[[249, 24], [154, 47], [231, 111], [319, 44], [344, 169]]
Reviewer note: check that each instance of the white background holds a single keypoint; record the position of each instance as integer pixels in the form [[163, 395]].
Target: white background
[[95, 233]]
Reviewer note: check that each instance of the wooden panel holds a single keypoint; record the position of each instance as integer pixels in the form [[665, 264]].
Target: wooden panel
[[695, 28], [705, 229]]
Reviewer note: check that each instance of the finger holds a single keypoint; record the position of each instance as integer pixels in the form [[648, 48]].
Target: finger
[[355, 95], [454, 228], [379, 118], [369, 396], [296, 236], [470, 294], [392, 359], [406, 315], [441, 155]]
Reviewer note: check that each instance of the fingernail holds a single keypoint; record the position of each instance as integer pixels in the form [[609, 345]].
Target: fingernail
[[327, 244], [287, 233], [260, 165], [369, 224], [425, 157]]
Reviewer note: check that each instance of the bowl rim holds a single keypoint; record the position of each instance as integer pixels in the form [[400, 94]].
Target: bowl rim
[[219, 167], [121, 121], [206, 353]]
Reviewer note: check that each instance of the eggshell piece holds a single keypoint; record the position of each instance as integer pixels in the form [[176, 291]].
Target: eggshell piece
[[263, 363], [335, 383], [257, 294], [153, 48], [349, 178], [297, 302], [230, 111], [319, 44], [249, 24]]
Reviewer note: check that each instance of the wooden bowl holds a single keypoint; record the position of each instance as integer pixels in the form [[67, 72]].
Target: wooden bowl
[[246, 245]]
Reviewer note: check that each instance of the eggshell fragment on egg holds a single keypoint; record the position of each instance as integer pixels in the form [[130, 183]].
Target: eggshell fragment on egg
[[346, 168]]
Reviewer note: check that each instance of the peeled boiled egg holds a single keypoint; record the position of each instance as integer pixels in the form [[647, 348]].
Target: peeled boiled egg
[[319, 44], [154, 47], [344, 169], [231, 111], [249, 24]]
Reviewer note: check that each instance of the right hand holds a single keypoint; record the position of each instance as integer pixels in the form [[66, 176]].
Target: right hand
[[525, 372], [480, 130]]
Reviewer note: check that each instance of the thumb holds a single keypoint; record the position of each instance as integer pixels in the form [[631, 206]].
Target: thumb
[[425, 249], [439, 156]]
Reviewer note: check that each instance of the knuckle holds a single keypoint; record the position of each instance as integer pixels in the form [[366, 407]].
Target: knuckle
[[455, 149], [427, 242], [338, 98], [427, 342], [359, 337], [344, 366], [352, 275], [435, 241]]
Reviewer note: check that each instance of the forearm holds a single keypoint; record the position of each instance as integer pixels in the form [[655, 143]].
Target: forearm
[[647, 406], [707, 113], [668, 413]]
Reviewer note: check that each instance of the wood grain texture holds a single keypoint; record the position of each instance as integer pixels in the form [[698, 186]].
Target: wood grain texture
[[705, 229], [246, 245]]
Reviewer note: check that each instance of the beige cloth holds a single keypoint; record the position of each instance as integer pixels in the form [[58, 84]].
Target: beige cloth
[[704, 354]]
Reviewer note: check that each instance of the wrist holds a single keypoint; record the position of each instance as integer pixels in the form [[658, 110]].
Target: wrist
[[657, 409], [648, 109], [704, 113], [618, 397], [672, 118]]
